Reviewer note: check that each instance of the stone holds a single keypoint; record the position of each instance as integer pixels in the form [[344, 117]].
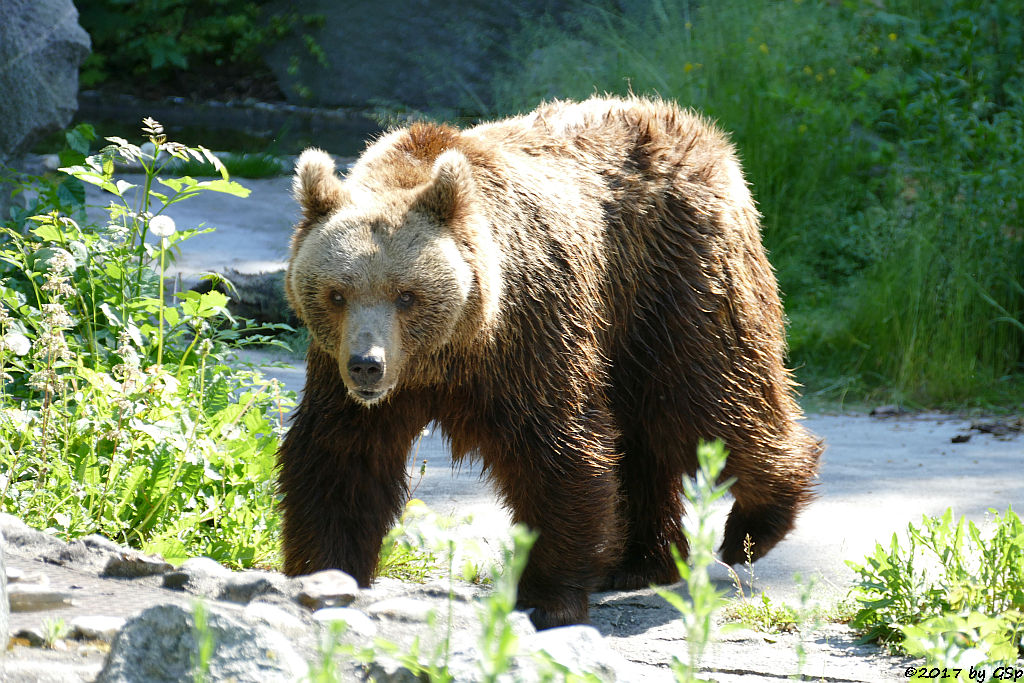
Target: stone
[[100, 555], [98, 627], [161, 645], [133, 565], [32, 665], [406, 52], [28, 541], [328, 588], [275, 617], [198, 576], [245, 586], [32, 635], [404, 609], [582, 649], [5, 607], [34, 598], [41, 48], [357, 623]]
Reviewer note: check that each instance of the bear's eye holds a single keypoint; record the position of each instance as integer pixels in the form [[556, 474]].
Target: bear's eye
[[405, 299], [337, 298]]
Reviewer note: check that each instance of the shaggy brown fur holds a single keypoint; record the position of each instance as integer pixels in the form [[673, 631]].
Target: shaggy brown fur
[[576, 297]]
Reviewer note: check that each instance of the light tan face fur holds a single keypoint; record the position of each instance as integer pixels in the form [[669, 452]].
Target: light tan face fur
[[373, 278]]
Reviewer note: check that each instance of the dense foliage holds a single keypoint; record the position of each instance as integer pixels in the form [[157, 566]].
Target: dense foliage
[[167, 40], [121, 411], [883, 143]]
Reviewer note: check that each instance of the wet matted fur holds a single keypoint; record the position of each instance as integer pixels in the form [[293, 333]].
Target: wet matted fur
[[576, 297]]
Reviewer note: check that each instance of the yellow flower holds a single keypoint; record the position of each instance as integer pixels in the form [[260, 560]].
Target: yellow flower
[[802, 128], [808, 70], [763, 47], [892, 36]]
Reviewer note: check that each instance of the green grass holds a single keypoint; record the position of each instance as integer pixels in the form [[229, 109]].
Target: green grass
[[238, 165], [883, 147]]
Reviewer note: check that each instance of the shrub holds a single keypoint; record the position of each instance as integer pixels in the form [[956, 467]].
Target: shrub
[[955, 594], [121, 413], [162, 40], [882, 146]]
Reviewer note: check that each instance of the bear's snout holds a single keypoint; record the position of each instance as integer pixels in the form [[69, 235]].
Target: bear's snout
[[366, 370]]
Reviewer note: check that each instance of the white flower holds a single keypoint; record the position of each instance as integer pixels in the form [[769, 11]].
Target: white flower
[[17, 342], [61, 261], [162, 226]]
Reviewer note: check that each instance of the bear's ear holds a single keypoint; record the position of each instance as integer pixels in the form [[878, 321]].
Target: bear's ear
[[450, 189], [316, 187]]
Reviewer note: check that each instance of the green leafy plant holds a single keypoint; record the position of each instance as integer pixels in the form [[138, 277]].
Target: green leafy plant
[[705, 599], [763, 615], [54, 630], [955, 593], [498, 642], [206, 642], [120, 411]]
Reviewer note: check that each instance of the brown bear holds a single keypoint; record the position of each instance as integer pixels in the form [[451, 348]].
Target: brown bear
[[575, 297]]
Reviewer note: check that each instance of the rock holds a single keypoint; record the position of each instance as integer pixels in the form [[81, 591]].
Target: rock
[[162, 644], [133, 565], [277, 618], [33, 665], [32, 635], [41, 48], [26, 540], [390, 670], [199, 576], [5, 607], [357, 623], [408, 610], [95, 628], [106, 558], [329, 588], [245, 586], [405, 52], [582, 649], [34, 598], [887, 411]]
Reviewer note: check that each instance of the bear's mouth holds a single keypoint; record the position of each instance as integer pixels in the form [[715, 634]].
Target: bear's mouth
[[369, 396]]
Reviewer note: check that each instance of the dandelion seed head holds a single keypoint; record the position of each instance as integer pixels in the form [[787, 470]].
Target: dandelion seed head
[[162, 226]]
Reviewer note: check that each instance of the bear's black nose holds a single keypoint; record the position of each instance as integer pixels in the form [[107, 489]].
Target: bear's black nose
[[366, 370]]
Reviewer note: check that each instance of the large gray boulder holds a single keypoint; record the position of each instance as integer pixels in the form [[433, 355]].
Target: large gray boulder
[[41, 48], [426, 55], [165, 644]]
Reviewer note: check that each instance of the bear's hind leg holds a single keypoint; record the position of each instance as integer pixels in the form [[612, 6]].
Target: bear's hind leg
[[768, 497]]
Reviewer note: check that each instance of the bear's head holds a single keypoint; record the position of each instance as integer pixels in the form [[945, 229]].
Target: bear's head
[[390, 266]]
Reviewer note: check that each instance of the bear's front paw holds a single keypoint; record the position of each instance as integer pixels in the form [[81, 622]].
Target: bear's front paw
[[569, 610]]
